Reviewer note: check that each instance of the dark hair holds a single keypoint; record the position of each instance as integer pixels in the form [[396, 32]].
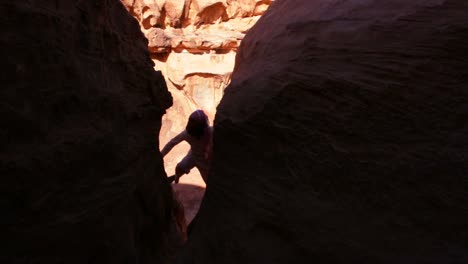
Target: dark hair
[[197, 123]]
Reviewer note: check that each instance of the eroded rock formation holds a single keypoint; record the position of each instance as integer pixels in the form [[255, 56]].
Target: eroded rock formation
[[342, 138], [81, 107]]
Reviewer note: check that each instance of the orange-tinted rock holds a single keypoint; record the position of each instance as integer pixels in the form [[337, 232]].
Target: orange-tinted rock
[[147, 12], [175, 11], [203, 40], [342, 138], [81, 107], [158, 41]]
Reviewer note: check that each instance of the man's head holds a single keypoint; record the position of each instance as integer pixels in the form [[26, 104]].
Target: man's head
[[197, 123]]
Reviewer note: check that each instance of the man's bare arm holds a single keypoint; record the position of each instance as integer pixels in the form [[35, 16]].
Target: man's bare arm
[[172, 143]]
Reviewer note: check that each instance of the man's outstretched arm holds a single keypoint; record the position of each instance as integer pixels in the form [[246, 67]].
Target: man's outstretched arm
[[173, 142]]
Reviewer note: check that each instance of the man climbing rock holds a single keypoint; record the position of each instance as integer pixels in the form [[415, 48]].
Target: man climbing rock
[[199, 134]]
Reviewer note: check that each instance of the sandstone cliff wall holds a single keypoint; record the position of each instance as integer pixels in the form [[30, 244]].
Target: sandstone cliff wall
[[81, 108], [342, 138]]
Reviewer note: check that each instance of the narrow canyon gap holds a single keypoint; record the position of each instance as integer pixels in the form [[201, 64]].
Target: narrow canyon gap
[[342, 138], [193, 43]]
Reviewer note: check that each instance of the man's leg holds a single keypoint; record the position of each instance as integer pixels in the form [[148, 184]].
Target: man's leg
[[183, 167]]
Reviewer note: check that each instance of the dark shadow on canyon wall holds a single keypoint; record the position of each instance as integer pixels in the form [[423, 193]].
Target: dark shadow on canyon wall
[[342, 138], [81, 107], [190, 196]]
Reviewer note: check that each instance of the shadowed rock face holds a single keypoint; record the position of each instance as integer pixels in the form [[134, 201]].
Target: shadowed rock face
[[342, 138], [82, 179]]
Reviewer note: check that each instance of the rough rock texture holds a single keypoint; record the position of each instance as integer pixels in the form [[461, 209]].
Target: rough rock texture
[[81, 107], [342, 138]]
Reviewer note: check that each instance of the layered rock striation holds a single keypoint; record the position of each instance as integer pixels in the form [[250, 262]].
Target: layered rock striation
[[81, 108], [342, 138]]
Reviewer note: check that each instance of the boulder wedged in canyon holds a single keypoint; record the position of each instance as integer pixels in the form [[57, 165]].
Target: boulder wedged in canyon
[[342, 138], [81, 108]]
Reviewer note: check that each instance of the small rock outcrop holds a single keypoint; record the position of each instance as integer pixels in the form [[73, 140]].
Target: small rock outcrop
[[342, 138], [81, 108]]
